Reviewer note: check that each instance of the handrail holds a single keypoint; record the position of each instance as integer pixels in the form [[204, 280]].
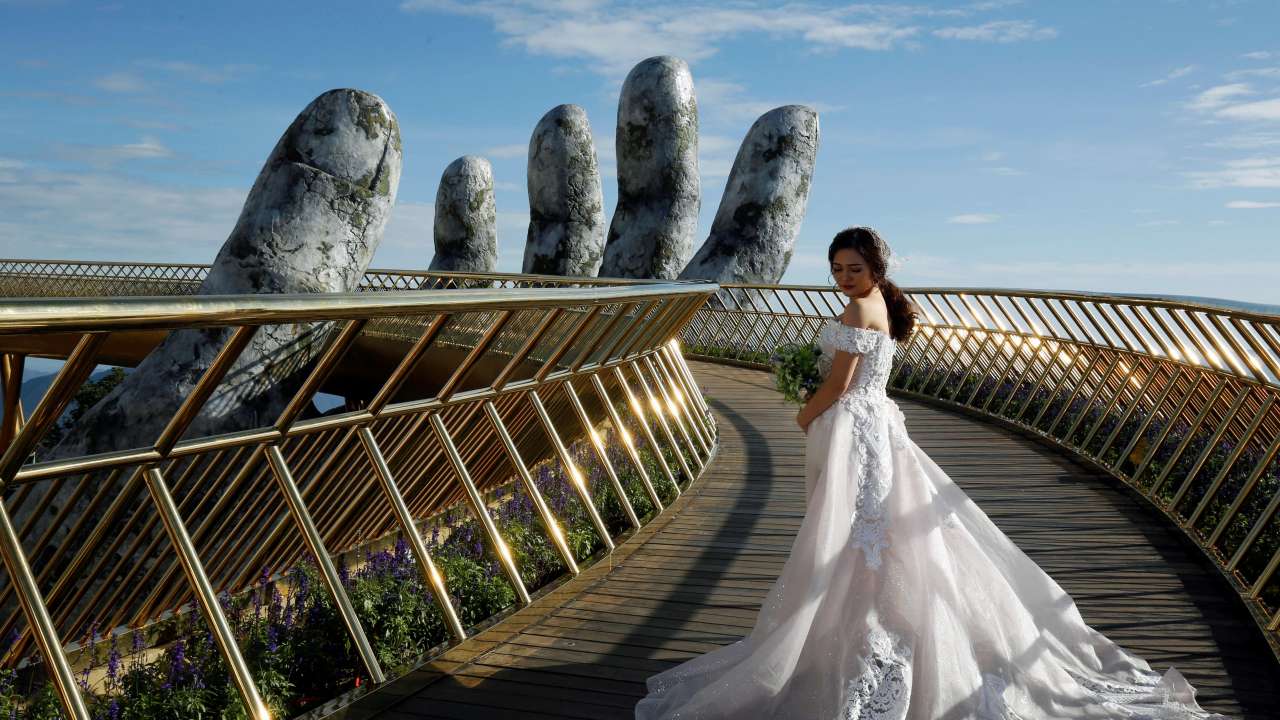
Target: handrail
[[28, 315], [1179, 399], [96, 278], [449, 393]]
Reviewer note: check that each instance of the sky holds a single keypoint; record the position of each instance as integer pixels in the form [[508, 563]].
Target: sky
[[1120, 147]]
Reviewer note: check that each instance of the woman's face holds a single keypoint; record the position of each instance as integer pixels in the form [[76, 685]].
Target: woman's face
[[851, 273]]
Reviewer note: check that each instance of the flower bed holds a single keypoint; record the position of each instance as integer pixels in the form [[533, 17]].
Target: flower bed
[[292, 636]]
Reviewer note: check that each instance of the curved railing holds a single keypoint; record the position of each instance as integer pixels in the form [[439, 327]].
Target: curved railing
[[470, 388], [90, 278], [1175, 398]]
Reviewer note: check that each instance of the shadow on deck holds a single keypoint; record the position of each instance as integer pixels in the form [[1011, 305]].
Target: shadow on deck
[[693, 579]]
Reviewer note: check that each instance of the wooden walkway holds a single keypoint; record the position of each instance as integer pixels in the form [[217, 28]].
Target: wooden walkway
[[694, 578]]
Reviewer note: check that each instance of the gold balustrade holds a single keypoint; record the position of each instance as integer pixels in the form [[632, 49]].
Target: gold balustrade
[[450, 392], [1176, 398]]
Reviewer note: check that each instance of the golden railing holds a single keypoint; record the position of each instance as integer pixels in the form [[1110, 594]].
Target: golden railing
[[1177, 399], [89, 278], [470, 388]]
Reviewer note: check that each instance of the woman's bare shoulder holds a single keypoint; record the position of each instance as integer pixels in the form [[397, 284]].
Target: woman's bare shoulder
[[868, 313]]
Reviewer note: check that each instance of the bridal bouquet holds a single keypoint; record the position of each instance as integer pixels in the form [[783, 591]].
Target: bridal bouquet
[[795, 370]]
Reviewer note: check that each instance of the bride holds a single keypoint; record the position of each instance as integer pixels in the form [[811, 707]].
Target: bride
[[900, 598]]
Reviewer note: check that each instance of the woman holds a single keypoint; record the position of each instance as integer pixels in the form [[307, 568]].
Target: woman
[[900, 598]]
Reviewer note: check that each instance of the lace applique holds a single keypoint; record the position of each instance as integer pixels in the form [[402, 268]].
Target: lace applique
[[875, 348], [883, 690], [898, 428], [874, 478], [853, 340], [1140, 700], [877, 428]]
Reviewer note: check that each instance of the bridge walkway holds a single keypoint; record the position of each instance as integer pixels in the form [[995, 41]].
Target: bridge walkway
[[694, 578]]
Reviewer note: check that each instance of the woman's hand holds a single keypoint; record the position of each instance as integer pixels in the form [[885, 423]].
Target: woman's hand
[[803, 421]]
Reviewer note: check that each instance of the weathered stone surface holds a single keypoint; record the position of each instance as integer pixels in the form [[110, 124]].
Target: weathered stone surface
[[466, 226], [566, 203], [764, 201], [311, 223], [651, 233]]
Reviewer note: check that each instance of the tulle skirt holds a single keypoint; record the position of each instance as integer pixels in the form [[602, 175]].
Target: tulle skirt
[[901, 599]]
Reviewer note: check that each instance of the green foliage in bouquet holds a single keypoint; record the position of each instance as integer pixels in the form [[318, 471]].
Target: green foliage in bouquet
[[795, 370]]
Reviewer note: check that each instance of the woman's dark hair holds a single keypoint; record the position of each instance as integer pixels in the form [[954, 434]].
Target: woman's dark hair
[[874, 250]]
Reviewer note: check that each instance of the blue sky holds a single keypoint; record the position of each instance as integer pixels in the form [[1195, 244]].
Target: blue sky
[[1078, 145]]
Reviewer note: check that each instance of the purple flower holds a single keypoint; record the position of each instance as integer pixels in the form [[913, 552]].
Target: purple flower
[[113, 664], [277, 603], [177, 664]]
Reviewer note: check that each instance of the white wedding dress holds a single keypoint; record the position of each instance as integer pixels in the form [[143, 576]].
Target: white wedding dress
[[901, 599]]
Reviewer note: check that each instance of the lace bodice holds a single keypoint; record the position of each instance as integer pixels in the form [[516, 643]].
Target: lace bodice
[[876, 348]]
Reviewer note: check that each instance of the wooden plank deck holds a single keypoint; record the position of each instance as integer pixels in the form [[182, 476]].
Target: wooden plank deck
[[694, 578]]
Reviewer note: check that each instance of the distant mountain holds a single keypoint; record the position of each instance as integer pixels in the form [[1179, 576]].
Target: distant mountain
[[34, 388]]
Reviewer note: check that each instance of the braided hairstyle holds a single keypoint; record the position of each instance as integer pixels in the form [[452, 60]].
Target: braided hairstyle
[[875, 252]]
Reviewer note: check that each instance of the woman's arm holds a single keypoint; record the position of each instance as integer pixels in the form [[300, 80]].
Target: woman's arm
[[842, 366]]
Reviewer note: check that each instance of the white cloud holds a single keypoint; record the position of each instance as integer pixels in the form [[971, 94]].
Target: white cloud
[[866, 36], [150, 124], [973, 219], [9, 170], [1259, 172], [120, 82], [1262, 110], [1000, 31], [1173, 75], [1251, 205], [1258, 55], [514, 150], [1264, 72], [1246, 141], [1159, 223], [715, 156], [407, 240], [1005, 171], [612, 36], [1217, 97], [729, 100], [204, 74], [101, 215], [106, 156]]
